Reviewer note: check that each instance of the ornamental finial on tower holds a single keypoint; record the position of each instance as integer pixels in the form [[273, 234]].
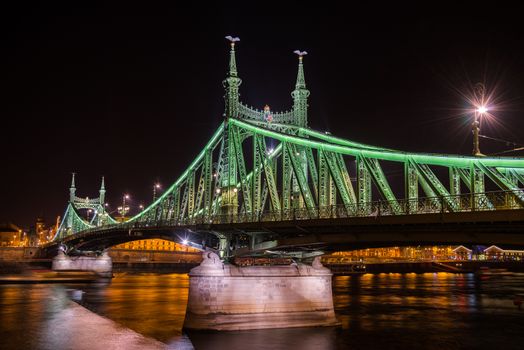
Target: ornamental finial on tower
[[102, 192], [301, 81], [232, 82], [72, 180], [232, 60], [300, 94], [72, 189]]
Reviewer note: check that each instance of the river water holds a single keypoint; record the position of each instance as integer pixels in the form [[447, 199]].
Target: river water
[[386, 311]]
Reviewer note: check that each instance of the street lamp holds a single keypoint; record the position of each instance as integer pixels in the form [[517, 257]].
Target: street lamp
[[155, 187], [89, 211], [122, 210], [481, 109]]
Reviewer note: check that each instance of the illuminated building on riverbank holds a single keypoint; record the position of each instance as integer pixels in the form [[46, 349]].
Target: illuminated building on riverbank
[[155, 244], [11, 235], [497, 253], [45, 233], [398, 253], [427, 253]]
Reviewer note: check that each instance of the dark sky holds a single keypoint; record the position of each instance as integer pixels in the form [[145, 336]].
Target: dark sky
[[133, 93]]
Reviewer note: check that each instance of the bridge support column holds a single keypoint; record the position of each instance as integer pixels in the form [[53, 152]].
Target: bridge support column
[[102, 264], [228, 297]]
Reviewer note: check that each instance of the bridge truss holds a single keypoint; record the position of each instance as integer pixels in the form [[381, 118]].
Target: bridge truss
[[266, 166]]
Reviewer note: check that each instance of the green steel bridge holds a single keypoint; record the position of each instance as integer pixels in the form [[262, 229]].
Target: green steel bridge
[[266, 182]]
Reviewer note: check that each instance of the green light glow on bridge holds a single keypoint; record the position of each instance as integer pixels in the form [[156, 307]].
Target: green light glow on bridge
[[236, 176]]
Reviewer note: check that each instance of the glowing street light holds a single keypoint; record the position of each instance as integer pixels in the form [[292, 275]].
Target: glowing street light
[[480, 110], [124, 208], [156, 186]]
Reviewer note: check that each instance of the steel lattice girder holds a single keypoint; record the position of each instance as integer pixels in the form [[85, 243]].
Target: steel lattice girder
[[72, 223], [367, 167], [246, 193], [294, 156], [269, 173], [503, 182], [286, 178], [395, 156], [431, 181], [380, 180], [323, 180], [313, 170], [340, 182]]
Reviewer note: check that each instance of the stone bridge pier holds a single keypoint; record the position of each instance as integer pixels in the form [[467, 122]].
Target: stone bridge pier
[[102, 264], [228, 297]]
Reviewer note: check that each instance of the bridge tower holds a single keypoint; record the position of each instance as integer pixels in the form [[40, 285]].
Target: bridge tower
[[227, 166], [231, 167], [72, 222], [300, 95]]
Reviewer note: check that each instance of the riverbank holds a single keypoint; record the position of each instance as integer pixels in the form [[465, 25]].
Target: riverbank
[[454, 266]]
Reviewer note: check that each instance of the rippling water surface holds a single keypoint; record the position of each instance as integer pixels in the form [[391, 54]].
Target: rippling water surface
[[397, 311]]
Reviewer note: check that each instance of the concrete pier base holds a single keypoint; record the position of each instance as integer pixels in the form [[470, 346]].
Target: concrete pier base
[[102, 264], [227, 297]]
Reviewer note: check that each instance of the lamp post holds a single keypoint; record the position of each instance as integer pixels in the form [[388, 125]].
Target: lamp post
[[480, 110], [155, 187], [124, 208]]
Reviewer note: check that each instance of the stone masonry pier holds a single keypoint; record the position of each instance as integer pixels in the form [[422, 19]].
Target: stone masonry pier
[[102, 264], [228, 297]]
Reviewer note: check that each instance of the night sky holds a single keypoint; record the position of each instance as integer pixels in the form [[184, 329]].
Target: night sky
[[133, 93]]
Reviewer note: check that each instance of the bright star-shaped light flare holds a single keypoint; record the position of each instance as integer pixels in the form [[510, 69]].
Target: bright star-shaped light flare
[[482, 109]]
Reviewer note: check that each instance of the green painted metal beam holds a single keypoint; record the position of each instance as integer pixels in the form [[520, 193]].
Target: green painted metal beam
[[382, 183], [340, 183], [503, 183], [427, 176], [363, 185], [301, 179], [411, 186], [209, 146], [269, 173], [246, 191], [396, 156], [312, 170]]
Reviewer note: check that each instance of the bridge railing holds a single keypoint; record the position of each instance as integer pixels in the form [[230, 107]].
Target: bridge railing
[[488, 201]]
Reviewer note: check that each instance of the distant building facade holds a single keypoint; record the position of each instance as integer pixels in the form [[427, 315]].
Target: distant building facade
[[422, 253], [462, 253], [395, 254], [497, 253], [155, 244], [12, 236]]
